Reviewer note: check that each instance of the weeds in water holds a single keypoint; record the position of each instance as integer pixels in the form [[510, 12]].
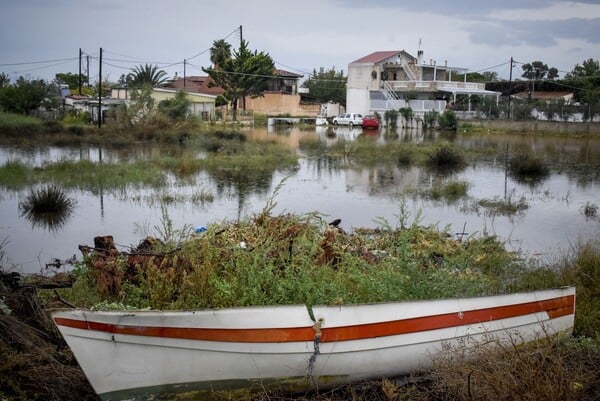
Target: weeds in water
[[503, 206], [446, 157], [450, 191], [526, 167], [48, 207], [590, 210]]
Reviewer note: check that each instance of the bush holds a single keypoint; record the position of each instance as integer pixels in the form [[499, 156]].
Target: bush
[[448, 120]]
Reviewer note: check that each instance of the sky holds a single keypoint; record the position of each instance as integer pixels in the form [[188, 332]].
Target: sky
[[39, 38]]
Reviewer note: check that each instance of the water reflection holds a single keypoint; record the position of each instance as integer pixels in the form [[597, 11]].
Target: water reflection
[[549, 216], [47, 208]]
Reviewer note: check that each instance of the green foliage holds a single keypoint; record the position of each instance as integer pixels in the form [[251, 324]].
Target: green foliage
[[219, 52], [146, 74], [245, 73], [25, 96], [430, 119], [70, 79], [538, 70], [289, 259], [526, 166], [450, 191], [446, 156], [391, 118], [448, 120], [176, 107], [76, 117], [327, 85], [408, 114], [142, 105]]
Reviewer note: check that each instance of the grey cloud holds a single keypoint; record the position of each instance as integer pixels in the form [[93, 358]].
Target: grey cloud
[[445, 7], [534, 33]]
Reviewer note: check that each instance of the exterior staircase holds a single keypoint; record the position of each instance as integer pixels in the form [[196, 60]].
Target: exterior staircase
[[393, 101]]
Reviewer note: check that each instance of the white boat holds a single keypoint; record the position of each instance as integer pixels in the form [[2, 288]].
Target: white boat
[[129, 355]]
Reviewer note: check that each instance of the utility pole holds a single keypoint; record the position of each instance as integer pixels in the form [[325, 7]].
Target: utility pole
[[241, 37], [79, 76], [100, 92], [510, 86], [87, 71], [184, 62]]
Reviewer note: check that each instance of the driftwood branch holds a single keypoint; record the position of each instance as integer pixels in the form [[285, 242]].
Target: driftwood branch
[[60, 299]]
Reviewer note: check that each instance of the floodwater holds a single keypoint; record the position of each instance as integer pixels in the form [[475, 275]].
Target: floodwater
[[553, 222]]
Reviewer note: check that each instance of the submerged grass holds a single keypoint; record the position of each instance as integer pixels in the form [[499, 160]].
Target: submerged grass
[[82, 174]]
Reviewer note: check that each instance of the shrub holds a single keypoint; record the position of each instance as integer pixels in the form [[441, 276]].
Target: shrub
[[448, 120], [445, 156]]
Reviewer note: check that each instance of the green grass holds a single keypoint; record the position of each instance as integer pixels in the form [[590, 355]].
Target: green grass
[[83, 174], [17, 120]]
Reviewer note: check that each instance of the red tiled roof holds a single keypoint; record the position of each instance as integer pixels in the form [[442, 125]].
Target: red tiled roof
[[287, 74], [376, 57], [197, 84]]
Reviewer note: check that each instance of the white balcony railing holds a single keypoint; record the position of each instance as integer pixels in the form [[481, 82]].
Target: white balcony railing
[[435, 85]]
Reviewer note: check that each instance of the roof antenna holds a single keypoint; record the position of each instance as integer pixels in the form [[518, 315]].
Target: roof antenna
[[419, 49]]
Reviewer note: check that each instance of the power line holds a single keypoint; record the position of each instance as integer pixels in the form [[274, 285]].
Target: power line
[[39, 62]]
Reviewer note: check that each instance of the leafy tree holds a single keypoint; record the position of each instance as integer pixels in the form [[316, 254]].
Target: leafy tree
[[487, 76], [146, 74], [589, 68], [586, 78], [68, 78], [407, 113], [538, 70], [327, 85], [142, 105], [219, 52], [176, 107], [25, 96], [245, 73], [4, 79]]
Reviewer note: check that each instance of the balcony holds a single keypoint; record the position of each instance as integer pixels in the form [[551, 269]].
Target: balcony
[[434, 86]]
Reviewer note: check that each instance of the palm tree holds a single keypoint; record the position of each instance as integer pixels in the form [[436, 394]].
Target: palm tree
[[220, 51], [146, 74]]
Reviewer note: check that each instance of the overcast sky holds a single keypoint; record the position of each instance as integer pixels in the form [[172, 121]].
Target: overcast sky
[[39, 38]]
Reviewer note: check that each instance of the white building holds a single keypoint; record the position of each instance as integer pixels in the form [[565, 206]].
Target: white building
[[387, 80]]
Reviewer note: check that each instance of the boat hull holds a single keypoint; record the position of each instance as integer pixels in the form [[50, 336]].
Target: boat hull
[[131, 354]]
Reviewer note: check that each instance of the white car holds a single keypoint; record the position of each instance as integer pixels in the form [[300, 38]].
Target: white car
[[348, 119]]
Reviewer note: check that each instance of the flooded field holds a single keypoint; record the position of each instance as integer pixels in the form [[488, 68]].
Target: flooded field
[[552, 214]]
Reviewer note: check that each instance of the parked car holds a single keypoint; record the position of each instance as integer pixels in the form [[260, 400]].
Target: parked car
[[348, 119], [370, 121]]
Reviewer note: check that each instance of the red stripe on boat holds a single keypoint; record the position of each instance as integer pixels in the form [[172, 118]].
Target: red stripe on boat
[[554, 307]]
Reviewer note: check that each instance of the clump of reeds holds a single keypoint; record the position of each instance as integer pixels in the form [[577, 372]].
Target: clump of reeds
[[450, 191], [504, 207], [445, 156], [527, 167], [48, 206], [590, 210]]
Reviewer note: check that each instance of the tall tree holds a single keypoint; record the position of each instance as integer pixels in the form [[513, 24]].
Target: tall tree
[[146, 74], [246, 73], [327, 85], [586, 78], [70, 79], [4, 79], [538, 70], [589, 68], [25, 96], [219, 52]]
